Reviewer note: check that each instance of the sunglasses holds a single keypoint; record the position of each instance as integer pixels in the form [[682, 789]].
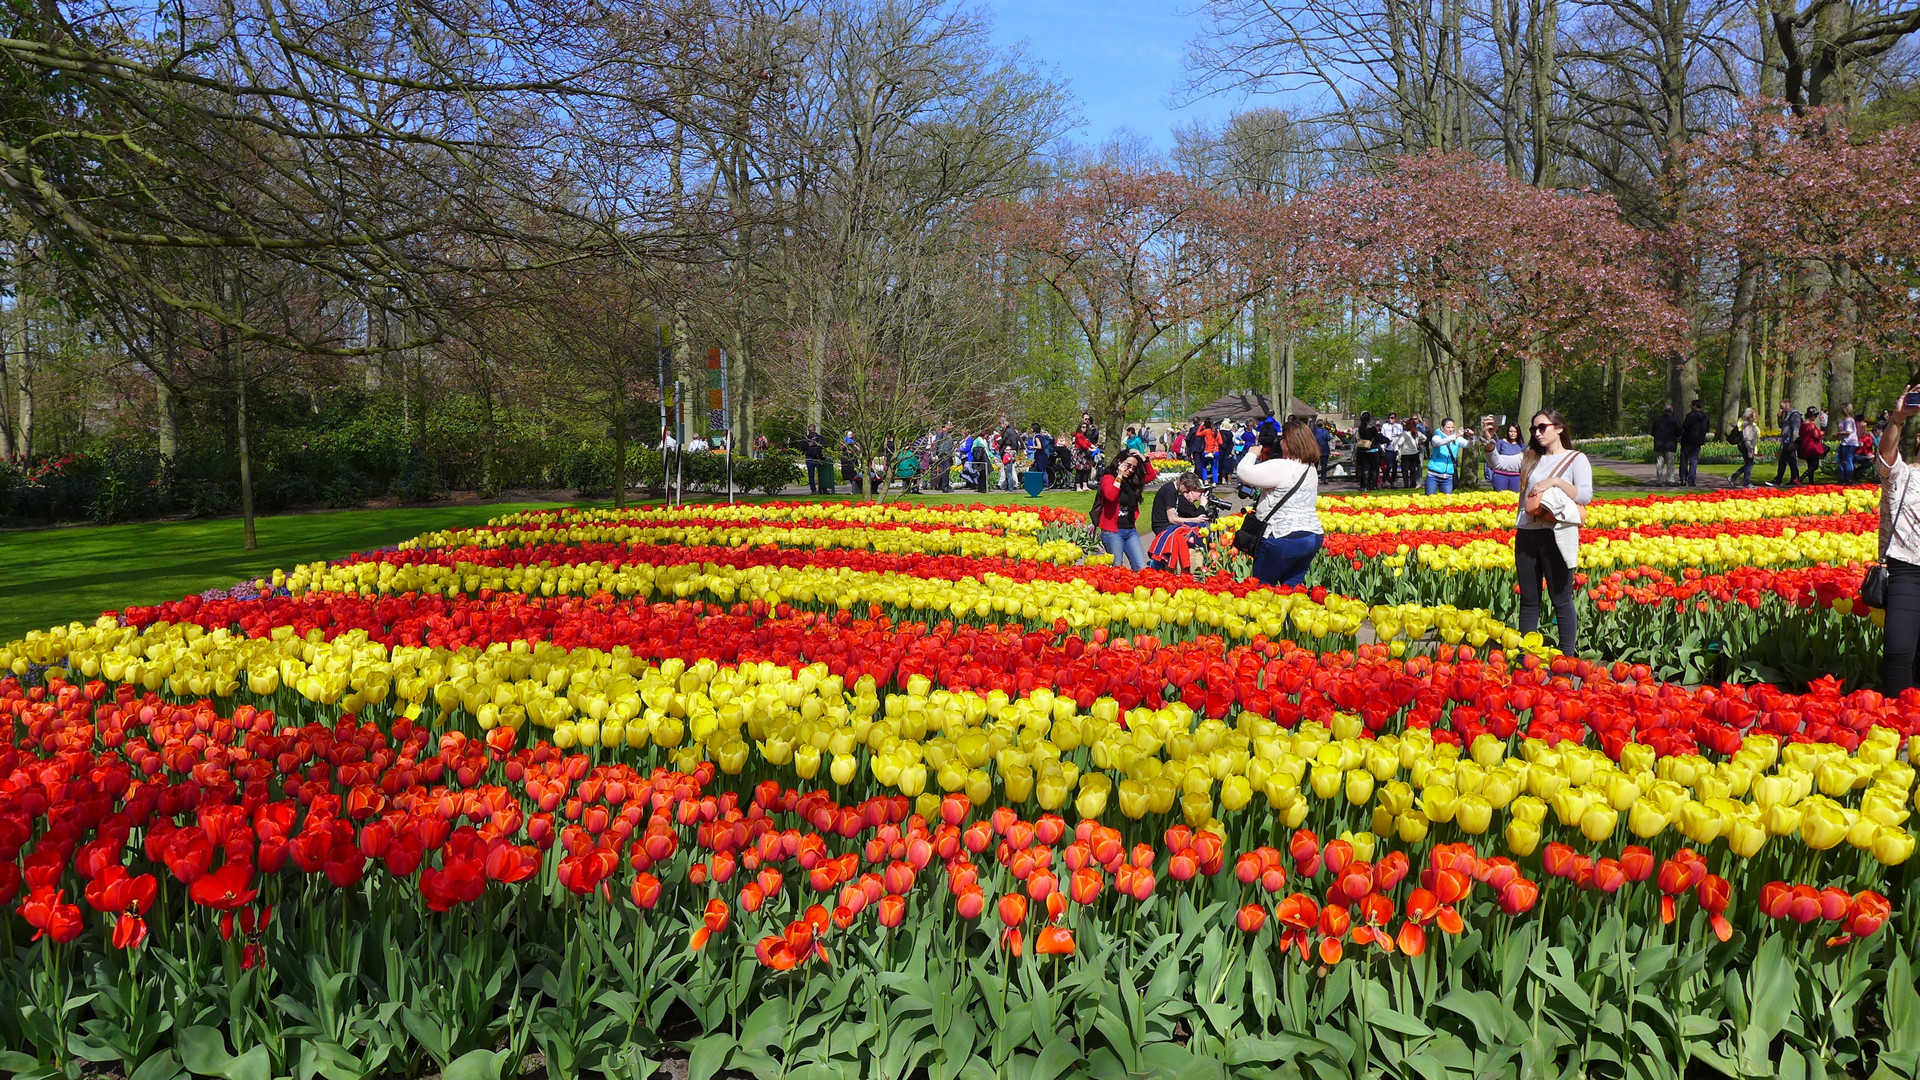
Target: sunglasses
[[1541, 427]]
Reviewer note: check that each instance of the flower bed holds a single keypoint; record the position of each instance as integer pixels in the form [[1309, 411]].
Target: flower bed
[[569, 786]]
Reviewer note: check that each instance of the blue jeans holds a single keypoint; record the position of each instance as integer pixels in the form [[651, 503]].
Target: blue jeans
[[1690, 465], [1847, 459], [1284, 560], [1440, 482], [1125, 548], [1742, 476]]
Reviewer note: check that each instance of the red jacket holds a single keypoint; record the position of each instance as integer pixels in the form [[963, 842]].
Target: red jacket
[[1108, 502], [1811, 444]]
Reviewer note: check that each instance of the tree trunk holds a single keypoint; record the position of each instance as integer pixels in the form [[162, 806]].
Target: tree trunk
[[1683, 382], [620, 443], [1840, 360], [166, 423], [1616, 400], [816, 373], [1283, 407], [1739, 345], [1531, 395], [1443, 369], [488, 436], [23, 379], [247, 539], [1805, 359]]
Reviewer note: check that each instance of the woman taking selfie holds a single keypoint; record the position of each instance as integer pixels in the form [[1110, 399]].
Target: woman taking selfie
[[1503, 455], [1284, 469], [1556, 484], [1899, 549], [1117, 509]]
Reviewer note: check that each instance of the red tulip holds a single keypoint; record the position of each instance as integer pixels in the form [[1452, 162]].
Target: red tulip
[[1519, 896], [1012, 908], [51, 916], [1053, 941], [130, 932], [1636, 862], [1608, 876], [1085, 884], [893, 911], [1869, 912], [1299, 911], [971, 903], [1413, 938], [1251, 918], [1247, 868], [645, 891], [226, 888]]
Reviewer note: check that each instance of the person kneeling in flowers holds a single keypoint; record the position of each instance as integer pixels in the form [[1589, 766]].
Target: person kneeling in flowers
[[1177, 522], [1284, 469]]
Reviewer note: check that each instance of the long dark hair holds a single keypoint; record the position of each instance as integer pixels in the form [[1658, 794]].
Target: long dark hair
[[1134, 482], [1535, 449]]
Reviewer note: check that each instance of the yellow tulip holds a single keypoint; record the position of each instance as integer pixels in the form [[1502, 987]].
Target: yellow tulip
[[1645, 819], [1523, 837], [1892, 846], [806, 763], [1598, 822], [1473, 814]]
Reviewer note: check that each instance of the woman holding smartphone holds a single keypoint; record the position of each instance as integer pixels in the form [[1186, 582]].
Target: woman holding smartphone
[[1899, 549], [1556, 484], [1117, 508]]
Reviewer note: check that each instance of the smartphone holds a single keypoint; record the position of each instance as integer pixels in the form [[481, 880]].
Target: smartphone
[[1912, 401]]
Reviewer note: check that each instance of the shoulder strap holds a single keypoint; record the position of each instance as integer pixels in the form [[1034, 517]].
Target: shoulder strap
[[1271, 510], [1893, 522]]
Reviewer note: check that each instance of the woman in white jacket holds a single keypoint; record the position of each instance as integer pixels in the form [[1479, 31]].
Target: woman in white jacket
[[1284, 469], [1556, 484]]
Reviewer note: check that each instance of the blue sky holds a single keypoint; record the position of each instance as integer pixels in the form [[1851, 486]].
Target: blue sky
[[1122, 59]]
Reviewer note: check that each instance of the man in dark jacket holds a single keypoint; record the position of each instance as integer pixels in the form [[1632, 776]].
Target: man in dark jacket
[[1324, 439], [1666, 440], [819, 480], [1693, 436], [1789, 438]]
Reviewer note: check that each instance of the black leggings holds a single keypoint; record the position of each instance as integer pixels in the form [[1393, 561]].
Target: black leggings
[[1536, 556], [1897, 661]]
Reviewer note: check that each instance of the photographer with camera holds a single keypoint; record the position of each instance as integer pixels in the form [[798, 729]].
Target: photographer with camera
[[1179, 515], [1282, 531]]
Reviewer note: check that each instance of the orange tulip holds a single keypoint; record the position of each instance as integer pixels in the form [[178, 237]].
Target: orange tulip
[[1251, 918], [1013, 909], [1054, 941]]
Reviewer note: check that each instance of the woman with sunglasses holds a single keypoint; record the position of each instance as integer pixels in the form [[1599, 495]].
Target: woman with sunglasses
[[1556, 484]]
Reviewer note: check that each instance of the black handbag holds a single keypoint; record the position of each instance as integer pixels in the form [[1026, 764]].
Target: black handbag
[[1246, 540], [1873, 588]]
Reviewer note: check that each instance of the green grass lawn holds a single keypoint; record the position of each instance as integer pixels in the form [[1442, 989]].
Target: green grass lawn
[[52, 576]]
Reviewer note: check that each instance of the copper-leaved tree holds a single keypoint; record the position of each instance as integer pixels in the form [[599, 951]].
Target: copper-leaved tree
[[1836, 221], [1491, 269], [1152, 266]]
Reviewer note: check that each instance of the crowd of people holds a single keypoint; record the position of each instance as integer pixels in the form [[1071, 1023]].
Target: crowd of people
[[998, 458], [1800, 452]]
